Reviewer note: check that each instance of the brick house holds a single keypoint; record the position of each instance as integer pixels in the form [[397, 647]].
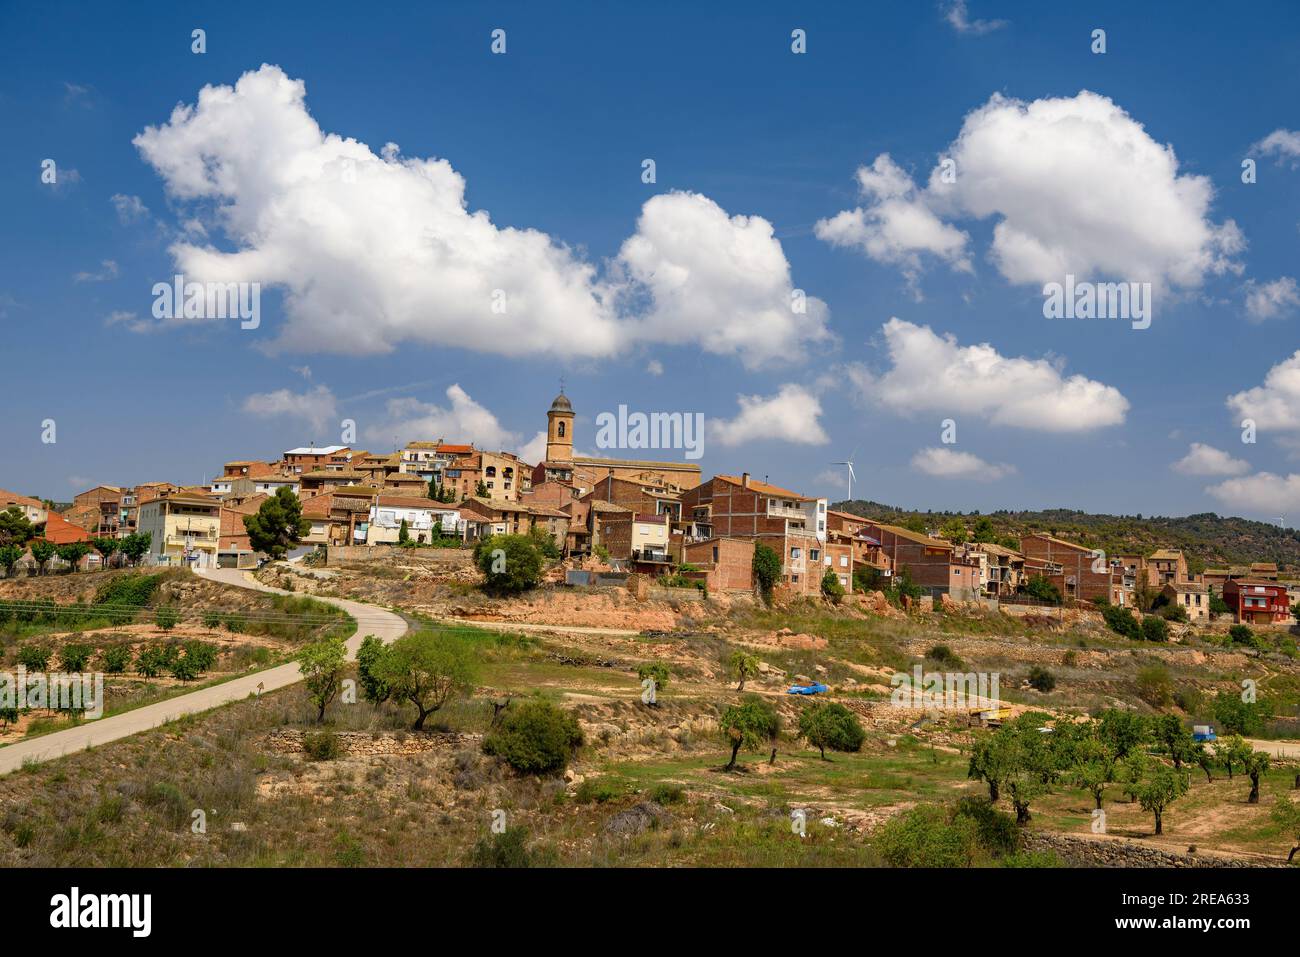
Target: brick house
[[1078, 578], [1257, 601], [1165, 566], [309, 458], [929, 562], [1005, 569], [725, 564], [793, 525]]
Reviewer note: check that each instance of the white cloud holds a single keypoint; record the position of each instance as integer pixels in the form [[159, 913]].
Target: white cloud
[[1204, 459], [316, 407], [1276, 403], [654, 367], [1285, 144], [960, 20], [534, 450], [1260, 494], [791, 415], [376, 250], [461, 420], [1075, 184], [832, 478], [949, 463], [1271, 299], [132, 321], [129, 208], [932, 373], [108, 270], [896, 226]]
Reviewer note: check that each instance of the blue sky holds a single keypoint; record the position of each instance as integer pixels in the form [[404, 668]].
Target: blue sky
[[621, 281]]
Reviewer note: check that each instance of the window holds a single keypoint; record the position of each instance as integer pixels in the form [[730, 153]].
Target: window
[[559, 430], [844, 561], [715, 553], [796, 553]]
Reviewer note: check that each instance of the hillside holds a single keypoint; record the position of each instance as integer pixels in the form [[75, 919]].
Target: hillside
[[1206, 538]]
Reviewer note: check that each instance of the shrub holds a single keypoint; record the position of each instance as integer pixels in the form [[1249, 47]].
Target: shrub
[[133, 589], [150, 661], [946, 657], [831, 726], [535, 738], [1172, 612], [831, 587], [1155, 628], [508, 849], [203, 654], [322, 745], [184, 669], [1040, 679], [1241, 635], [1122, 621], [868, 578], [766, 567], [1154, 686], [666, 793], [598, 791], [373, 687], [509, 563], [1039, 587], [931, 835], [657, 671]]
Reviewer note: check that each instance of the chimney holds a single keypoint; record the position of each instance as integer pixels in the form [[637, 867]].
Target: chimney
[[744, 480]]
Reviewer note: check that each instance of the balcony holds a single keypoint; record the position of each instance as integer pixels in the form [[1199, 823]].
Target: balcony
[[649, 555], [782, 511]]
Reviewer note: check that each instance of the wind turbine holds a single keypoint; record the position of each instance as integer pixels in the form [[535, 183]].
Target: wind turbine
[[849, 464]]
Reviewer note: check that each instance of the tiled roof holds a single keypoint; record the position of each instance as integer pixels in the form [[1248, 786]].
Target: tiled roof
[[763, 488], [635, 463], [13, 498], [1166, 555], [906, 533]]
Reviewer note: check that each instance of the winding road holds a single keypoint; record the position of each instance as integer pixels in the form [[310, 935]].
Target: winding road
[[371, 620]]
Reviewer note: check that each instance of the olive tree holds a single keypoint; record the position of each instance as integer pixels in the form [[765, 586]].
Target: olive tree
[[748, 725], [427, 669], [322, 663]]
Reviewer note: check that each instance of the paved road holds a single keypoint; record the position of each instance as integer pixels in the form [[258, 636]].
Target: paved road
[[371, 620]]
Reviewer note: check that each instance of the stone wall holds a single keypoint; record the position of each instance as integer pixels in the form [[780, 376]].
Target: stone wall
[[1111, 852]]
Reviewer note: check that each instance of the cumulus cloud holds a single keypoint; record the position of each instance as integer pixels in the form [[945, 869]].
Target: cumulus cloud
[[1260, 494], [1271, 299], [373, 250], [933, 373], [895, 226], [1204, 459], [534, 450], [1276, 403], [949, 463], [1284, 144], [959, 19], [1074, 184], [791, 415], [462, 420], [316, 407]]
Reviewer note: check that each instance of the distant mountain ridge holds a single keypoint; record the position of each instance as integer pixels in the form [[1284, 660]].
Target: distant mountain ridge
[[1207, 539]]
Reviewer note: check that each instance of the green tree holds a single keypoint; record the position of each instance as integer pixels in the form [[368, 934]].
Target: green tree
[[1122, 621], [748, 725], [73, 553], [42, 552], [1174, 739], [510, 563], [1094, 769], [481, 489], [534, 738], [10, 555], [1123, 731], [1235, 716], [278, 524], [373, 687], [34, 657], [1220, 607], [15, 529], [1242, 635], [427, 669], [135, 545], [322, 663], [831, 725], [656, 671], [1040, 588], [106, 547], [984, 532], [1255, 765], [991, 762], [831, 587], [1161, 788], [1286, 817], [1232, 752], [166, 617], [767, 569], [955, 531], [403, 533], [545, 542], [744, 666]]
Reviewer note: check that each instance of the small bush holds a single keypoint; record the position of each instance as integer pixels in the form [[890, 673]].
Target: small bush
[[1241, 635], [666, 793], [598, 791], [322, 745], [1154, 686], [1040, 679], [115, 659], [34, 657], [946, 657], [1155, 628], [74, 657], [535, 738], [508, 849], [1122, 621]]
